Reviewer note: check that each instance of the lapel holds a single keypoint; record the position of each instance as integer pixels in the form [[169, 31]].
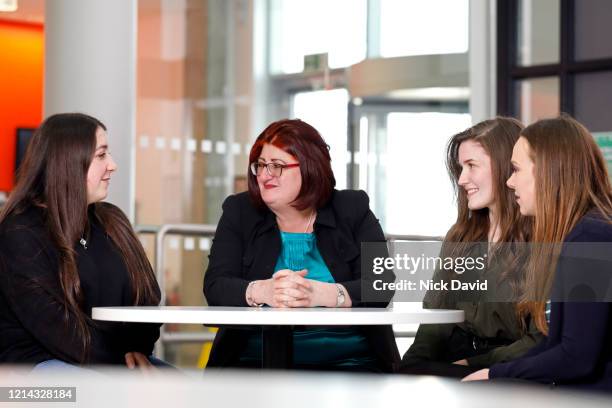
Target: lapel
[[326, 234], [266, 244]]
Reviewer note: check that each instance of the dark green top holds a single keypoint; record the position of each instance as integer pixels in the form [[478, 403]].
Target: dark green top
[[494, 322]]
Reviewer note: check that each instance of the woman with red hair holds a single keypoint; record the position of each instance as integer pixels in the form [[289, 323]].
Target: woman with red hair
[[294, 241]]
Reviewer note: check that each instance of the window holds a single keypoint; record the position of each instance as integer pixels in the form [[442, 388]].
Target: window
[[400, 161], [348, 30], [416, 27], [552, 57], [300, 28], [327, 111], [419, 195]]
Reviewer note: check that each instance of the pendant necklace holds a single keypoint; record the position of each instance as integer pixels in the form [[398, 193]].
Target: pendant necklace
[[84, 238]]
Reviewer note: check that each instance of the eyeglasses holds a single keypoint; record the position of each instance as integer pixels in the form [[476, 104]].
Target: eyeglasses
[[274, 169]]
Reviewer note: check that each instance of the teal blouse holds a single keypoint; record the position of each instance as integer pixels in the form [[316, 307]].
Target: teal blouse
[[336, 346]]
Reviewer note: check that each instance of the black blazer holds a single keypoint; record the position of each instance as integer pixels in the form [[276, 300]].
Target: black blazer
[[578, 349], [247, 245]]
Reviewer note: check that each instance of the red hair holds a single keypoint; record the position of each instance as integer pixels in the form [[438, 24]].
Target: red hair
[[306, 145]]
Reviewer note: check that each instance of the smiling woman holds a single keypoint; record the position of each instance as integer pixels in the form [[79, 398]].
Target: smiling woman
[[63, 251], [561, 180], [478, 161]]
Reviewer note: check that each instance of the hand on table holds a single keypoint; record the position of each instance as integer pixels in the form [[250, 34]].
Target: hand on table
[[292, 289], [480, 375], [269, 291], [287, 288]]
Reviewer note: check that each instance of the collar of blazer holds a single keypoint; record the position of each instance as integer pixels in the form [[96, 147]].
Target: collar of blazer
[[325, 217]]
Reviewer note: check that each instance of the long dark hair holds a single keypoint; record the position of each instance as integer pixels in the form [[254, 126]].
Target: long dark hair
[[497, 137], [53, 176]]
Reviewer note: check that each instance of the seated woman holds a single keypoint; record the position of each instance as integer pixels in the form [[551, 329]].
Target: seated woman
[[560, 179], [478, 164], [294, 241], [63, 251]]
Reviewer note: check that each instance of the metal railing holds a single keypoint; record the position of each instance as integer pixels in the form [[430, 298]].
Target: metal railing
[[208, 231]]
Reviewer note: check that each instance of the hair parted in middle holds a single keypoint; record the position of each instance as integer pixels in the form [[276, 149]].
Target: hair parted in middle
[[53, 177]]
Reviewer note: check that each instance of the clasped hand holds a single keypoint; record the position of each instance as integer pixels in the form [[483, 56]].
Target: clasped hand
[[291, 289]]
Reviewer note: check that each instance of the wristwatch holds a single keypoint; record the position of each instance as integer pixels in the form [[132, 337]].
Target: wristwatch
[[340, 297]]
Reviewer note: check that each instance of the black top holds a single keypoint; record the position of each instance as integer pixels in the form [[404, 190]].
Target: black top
[[246, 247], [31, 313], [578, 349]]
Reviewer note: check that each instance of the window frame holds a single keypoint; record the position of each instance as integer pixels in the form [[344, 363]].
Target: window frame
[[508, 71]]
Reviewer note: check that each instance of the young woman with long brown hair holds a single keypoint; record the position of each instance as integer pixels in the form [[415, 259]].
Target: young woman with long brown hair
[[478, 164], [560, 179], [63, 251]]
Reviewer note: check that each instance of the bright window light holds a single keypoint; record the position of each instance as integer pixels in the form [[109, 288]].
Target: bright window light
[[419, 197], [299, 28], [8, 5], [423, 27], [327, 111]]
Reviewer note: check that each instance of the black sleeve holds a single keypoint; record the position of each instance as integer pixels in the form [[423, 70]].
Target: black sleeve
[[584, 332], [223, 284], [367, 229], [141, 337], [29, 282]]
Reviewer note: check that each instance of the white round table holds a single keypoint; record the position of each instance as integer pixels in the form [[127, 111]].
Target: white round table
[[276, 324], [221, 315]]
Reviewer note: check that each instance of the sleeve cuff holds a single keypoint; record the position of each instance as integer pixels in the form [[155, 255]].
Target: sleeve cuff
[[499, 370], [481, 361]]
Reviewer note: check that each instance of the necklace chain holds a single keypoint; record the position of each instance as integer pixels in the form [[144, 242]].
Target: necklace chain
[[310, 219]]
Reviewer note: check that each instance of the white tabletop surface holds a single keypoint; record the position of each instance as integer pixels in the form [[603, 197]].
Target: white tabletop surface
[[212, 315], [287, 389]]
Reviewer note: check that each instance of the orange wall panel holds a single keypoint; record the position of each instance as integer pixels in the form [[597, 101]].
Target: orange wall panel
[[21, 89]]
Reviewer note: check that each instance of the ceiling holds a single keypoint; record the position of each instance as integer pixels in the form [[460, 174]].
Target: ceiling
[[28, 11]]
